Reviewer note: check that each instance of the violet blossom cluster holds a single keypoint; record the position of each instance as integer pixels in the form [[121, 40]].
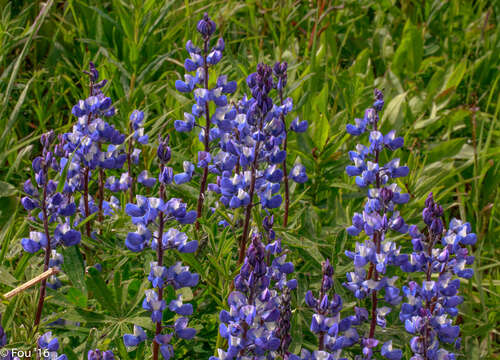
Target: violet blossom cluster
[[253, 326], [334, 334], [249, 133], [152, 215], [380, 216], [137, 136], [93, 145], [47, 205], [253, 133], [431, 305], [199, 63], [52, 208], [49, 346]]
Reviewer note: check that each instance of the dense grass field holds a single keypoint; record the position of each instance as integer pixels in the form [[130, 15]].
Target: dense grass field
[[437, 62]]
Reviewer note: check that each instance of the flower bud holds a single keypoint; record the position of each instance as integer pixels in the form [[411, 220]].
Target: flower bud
[[206, 26], [163, 152]]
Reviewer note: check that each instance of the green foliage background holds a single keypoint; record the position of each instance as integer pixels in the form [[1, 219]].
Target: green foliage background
[[436, 61]]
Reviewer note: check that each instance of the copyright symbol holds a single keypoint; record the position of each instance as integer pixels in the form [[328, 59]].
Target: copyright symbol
[[4, 353]]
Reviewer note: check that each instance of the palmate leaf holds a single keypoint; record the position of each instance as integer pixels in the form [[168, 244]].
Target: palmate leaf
[[74, 268], [101, 292]]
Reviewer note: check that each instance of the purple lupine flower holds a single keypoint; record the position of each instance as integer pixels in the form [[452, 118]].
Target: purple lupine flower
[[284, 324], [431, 306], [93, 147], [145, 179], [152, 216], [199, 62], [54, 210], [372, 258], [185, 176], [131, 340], [51, 344], [334, 333], [206, 26], [298, 174], [256, 305]]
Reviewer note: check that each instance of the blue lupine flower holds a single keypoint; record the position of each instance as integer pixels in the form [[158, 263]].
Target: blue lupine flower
[[185, 176], [50, 207], [157, 212], [49, 342], [186, 125], [131, 340], [145, 179], [181, 329], [206, 26], [153, 304], [204, 159], [255, 304], [326, 322], [298, 174], [379, 216], [297, 126], [166, 350], [431, 306]]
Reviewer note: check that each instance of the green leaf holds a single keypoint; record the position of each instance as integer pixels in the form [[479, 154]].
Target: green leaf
[[392, 117], [7, 189], [321, 130], [74, 267], [11, 311], [86, 316], [321, 101], [452, 78], [101, 292], [77, 297], [408, 56], [446, 149], [6, 278]]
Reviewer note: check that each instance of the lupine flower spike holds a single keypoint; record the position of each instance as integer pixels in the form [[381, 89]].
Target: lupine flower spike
[[255, 327], [200, 62], [155, 213], [334, 333], [84, 152], [44, 203], [136, 136], [431, 306], [378, 218]]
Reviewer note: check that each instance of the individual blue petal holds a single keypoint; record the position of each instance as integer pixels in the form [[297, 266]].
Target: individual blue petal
[[389, 353], [181, 178], [134, 242], [353, 130], [145, 179], [189, 247], [299, 127], [188, 218], [298, 174], [30, 246], [181, 86], [134, 210]]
